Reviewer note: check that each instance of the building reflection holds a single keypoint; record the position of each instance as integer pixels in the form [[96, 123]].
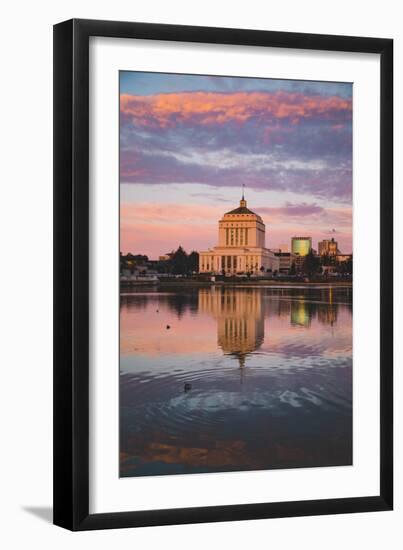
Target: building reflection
[[324, 310], [327, 314], [242, 314], [239, 316], [301, 313]]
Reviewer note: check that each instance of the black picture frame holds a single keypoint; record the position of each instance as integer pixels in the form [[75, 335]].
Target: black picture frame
[[71, 274]]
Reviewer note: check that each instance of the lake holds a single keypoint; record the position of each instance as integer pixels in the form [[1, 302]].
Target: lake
[[230, 378]]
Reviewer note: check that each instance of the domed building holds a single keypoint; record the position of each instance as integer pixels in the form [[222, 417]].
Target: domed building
[[241, 245]]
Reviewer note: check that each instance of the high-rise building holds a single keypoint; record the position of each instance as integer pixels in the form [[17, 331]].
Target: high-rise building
[[301, 245], [328, 247]]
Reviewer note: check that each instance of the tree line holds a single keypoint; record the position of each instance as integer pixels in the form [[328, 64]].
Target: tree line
[[181, 263], [313, 264], [178, 263]]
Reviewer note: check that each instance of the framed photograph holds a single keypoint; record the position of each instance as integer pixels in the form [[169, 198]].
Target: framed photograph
[[223, 258]]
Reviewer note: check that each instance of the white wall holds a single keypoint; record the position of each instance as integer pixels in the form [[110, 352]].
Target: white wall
[[26, 226]]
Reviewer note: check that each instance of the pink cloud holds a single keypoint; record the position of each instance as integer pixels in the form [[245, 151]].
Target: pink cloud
[[212, 108]]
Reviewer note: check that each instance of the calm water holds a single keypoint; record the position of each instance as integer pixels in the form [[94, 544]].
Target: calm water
[[244, 379]]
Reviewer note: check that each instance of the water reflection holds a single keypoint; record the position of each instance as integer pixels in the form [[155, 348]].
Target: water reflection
[[267, 372], [239, 316]]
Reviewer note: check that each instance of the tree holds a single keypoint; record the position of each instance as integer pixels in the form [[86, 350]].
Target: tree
[[311, 264], [193, 262], [179, 262], [325, 259], [293, 269], [346, 267]]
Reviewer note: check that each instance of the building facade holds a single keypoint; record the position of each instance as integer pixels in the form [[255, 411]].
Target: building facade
[[344, 257], [287, 259], [301, 245], [328, 247], [241, 245]]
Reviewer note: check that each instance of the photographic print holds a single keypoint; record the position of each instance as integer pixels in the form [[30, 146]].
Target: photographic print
[[236, 274]]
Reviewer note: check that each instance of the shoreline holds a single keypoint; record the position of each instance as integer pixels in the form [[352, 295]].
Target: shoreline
[[244, 284]]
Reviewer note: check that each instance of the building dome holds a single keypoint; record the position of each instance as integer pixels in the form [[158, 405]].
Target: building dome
[[242, 211]]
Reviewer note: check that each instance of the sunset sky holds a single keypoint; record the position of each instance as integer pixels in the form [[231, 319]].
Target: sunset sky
[[188, 143]]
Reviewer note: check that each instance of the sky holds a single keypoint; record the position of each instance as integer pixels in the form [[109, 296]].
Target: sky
[[188, 143]]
